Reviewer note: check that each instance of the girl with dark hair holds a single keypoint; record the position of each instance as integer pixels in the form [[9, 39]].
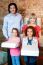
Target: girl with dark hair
[[37, 28], [12, 20], [15, 52], [32, 41]]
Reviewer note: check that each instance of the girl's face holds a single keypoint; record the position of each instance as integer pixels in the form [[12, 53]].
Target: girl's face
[[12, 9], [32, 20], [14, 33], [29, 33]]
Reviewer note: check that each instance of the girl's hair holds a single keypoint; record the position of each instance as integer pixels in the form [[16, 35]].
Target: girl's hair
[[11, 5], [30, 27], [16, 30]]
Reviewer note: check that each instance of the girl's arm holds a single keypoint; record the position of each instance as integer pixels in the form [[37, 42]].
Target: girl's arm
[[20, 43], [35, 43]]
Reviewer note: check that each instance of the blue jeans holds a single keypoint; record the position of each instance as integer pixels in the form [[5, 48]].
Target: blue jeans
[[30, 60], [15, 60]]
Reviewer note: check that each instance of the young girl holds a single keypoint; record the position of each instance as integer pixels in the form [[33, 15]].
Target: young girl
[[36, 28], [15, 52], [32, 41]]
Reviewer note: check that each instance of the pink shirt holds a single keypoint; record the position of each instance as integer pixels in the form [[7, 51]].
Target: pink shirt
[[14, 51]]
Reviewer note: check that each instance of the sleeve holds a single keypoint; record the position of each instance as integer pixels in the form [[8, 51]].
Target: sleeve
[[19, 40], [24, 42], [35, 43], [5, 28], [39, 28], [21, 23]]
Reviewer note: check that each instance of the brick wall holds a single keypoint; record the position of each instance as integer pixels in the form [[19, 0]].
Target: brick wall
[[29, 6], [24, 6]]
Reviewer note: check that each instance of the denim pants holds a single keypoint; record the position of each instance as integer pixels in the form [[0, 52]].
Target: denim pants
[[30, 60], [15, 60]]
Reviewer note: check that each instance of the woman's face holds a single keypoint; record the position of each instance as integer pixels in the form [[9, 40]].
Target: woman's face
[[32, 20], [29, 33], [12, 9], [14, 33]]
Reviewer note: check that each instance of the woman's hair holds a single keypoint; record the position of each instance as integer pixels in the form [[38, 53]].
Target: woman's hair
[[30, 27], [11, 5], [33, 16], [16, 30]]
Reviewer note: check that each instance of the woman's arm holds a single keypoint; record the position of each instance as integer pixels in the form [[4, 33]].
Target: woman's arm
[[21, 23], [5, 28]]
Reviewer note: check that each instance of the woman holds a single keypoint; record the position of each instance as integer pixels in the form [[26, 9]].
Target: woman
[[12, 20]]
